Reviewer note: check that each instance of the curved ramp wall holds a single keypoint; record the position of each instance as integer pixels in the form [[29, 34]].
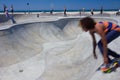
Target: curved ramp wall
[[25, 40]]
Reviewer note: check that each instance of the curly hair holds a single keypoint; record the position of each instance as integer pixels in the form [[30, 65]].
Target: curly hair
[[87, 23]]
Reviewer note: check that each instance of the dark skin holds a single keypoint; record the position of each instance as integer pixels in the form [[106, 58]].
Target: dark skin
[[99, 29]]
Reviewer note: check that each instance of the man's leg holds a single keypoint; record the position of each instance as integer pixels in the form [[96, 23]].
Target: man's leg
[[110, 37]]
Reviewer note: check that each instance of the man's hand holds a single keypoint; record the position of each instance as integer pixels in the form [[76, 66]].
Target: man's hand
[[94, 54]]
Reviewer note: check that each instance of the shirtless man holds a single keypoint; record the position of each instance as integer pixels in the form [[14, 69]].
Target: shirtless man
[[108, 31]]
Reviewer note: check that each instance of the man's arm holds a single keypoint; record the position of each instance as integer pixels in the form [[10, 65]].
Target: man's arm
[[105, 51], [94, 44], [101, 32]]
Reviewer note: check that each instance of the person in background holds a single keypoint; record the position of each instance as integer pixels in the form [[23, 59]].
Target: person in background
[[92, 11], [12, 10], [8, 16], [51, 11], [7, 13], [101, 10], [118, 12], [4, 7], [80, 12], [65, 10]]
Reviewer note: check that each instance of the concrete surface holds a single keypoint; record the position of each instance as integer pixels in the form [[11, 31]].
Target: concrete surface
[[50, 48]]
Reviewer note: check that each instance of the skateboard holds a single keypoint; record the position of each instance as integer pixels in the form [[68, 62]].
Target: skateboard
[[115, 63]]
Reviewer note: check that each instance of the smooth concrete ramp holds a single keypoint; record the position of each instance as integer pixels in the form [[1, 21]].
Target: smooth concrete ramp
[[53, 50]]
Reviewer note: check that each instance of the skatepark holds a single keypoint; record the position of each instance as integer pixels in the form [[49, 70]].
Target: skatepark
[[51, 48]]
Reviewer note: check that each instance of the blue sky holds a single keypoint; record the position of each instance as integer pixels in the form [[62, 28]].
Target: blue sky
[[60, 4]]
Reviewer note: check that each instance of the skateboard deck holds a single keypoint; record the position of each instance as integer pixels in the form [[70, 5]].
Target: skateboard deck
[[113, 66]]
